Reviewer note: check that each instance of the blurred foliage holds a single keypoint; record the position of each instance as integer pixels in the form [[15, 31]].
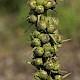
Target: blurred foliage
[[17, 12]]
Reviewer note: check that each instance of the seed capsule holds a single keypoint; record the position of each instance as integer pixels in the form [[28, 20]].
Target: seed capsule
[[49, 65], [37, 62], [51, 29], [47, 54], [32, 19], [56, 65], [34, 34], [47, 46], [41, 25], [58, 38], [36, 42], [39, 9], [43, 74], [58, 77], [32, 4], [49, 3], [38, 51], [44, 38]]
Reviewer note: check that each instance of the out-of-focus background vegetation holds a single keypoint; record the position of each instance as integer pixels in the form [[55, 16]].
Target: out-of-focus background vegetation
[[15, 44]]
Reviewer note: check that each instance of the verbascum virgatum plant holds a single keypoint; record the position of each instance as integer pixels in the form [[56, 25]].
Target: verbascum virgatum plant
[[45, 40]]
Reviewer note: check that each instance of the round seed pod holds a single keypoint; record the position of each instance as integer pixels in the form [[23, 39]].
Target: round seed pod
[[43, 74], [40, 2], [49, 4], [51, 29], [44, 38], [58, 77], [36, 42], [58, 38], [47, 46], [32, 19], [39, 9], [37, 62], [38, 51], [41, 25], [47, 54], [32, 4], [34, 34], [56, 65], [49, 65]]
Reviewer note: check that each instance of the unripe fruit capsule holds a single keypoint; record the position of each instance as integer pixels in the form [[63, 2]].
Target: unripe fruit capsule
[[38, 51], [41, 25], [51, 29], [36, 42], [34, 34], [32, 4], [37, 61], [39, 9], [47, 54], [49, 65], [43, 74], [32, 18], [44, 38], [47, 46], [49, 3]]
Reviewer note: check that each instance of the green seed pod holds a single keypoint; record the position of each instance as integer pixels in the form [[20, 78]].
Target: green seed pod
[[37, 62], [43, 74], [32, 4], [32, 19], [49, 65], [47, 54], [41, 25], [56, 65], [36, 42], [44, 38], [40, 2], [39, 9], [38, 51], [51, 29], [58, 38], [47, 46], [34, 34], [49, 3], [58, 77]]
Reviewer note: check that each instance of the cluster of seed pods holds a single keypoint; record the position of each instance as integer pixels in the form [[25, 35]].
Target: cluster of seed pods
[[45, 40]]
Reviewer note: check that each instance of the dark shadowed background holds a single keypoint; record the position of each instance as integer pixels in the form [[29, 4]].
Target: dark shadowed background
[[15, 44]]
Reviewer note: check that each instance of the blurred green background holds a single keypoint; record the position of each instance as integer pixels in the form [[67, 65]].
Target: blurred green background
[[15, 44]]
